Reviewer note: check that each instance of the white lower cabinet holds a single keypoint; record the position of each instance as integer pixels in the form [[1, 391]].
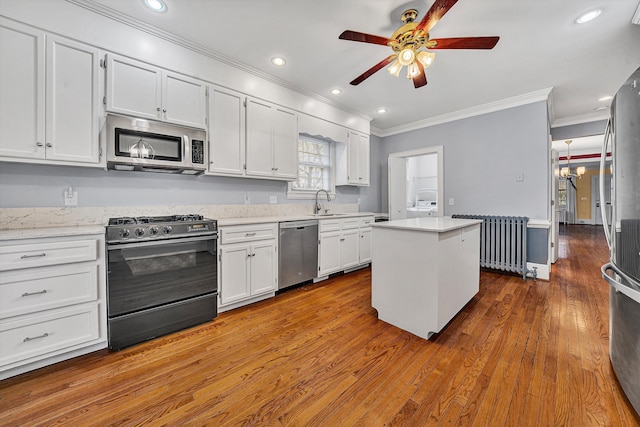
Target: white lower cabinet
[[52, 301], [248, 264], [343, 244]]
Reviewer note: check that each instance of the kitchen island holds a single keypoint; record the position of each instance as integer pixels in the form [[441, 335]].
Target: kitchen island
[[424, 271]]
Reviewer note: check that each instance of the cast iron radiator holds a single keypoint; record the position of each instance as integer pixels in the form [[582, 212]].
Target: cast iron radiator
[[503, 242]]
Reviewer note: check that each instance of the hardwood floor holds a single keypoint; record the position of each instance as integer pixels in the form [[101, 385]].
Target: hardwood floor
[[521, 353]]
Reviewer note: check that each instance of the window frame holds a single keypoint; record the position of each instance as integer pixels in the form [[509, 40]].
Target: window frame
[[293, 193]]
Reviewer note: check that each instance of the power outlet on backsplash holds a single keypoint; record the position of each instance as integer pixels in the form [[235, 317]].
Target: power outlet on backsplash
[[273, 199]]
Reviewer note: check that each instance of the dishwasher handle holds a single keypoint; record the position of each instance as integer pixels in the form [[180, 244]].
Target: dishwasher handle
[[299, 224]]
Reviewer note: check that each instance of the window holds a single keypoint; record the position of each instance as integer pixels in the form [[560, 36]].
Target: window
[[314, 167]]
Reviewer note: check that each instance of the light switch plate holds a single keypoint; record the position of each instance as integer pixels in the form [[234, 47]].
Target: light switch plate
[[451, 201]]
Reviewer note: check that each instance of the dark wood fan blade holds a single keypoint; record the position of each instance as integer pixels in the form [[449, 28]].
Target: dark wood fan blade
[[362, 77], [437, 11], [362, 37], [421, 79], [464, 43]]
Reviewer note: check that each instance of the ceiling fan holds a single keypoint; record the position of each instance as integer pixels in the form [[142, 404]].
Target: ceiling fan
[[411, 41]]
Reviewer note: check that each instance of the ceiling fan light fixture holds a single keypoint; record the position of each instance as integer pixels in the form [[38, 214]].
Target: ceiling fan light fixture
[[395, 68], [406, 56], [426, 58], [412, 70]]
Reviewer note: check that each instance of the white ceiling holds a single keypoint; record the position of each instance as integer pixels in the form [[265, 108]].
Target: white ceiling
[[540, 47]]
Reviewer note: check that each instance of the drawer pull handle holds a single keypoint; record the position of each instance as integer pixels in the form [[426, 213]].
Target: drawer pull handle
[[28, 294], [27, 339], [33, 256], [249, 234]]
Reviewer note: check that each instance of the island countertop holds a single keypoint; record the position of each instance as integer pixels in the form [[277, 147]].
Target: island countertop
[[430, 224]]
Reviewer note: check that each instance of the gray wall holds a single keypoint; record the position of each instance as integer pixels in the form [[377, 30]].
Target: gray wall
[[579, 130], [27, 185], [482, 156]]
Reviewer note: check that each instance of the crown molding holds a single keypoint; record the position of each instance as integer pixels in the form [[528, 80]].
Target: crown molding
[[516, 101], [202, 50]]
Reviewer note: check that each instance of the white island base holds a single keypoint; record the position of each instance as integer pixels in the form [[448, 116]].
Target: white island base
[[424, 271]]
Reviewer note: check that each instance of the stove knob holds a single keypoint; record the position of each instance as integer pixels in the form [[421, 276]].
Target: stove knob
[[167, 229], [139, 232], [153, 230], [124, 233]]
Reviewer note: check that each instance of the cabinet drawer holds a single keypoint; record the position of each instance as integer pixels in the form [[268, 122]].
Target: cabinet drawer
[[35, 336], [350, 223], [328, 225], [366, 221], [248, 233], [43, 254], [47, 288]]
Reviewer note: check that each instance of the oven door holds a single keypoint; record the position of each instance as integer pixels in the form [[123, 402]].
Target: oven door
[[145, 275]]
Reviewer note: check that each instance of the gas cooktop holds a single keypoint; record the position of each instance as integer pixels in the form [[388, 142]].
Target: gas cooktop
[[144, 228]]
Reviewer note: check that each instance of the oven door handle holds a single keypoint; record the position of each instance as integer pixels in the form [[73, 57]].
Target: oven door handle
[[158, 242]]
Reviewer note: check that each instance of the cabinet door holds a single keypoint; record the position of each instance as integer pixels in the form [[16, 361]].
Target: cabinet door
[[349, 245], [133, 88], [22, 91], [73, 105], [234, 273], [226, 131], [259, 138], [263, 267], [329, 253], [285, 144], [363, 160], [352, 158], [184, 100], [365, 245]]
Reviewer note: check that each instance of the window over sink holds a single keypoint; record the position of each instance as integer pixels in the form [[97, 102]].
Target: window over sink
[[315, 168]]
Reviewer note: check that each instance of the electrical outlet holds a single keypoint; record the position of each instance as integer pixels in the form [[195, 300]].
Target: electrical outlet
[[451, 201], [247, 199], [70, 197], [273, 199], [519, 177]]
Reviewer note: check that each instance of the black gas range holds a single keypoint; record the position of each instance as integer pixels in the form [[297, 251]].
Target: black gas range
[[162, 276]]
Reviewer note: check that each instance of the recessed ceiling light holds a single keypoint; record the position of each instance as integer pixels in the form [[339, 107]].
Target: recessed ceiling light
[[335, 91], [589, 16], [155, 5], [605, 98], [278, 61], [381, 110]]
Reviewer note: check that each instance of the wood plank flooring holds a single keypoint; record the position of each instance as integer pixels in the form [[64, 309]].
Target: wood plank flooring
[[521, 353]]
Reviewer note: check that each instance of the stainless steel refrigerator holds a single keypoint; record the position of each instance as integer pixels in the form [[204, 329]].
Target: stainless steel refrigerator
[[623, 236]]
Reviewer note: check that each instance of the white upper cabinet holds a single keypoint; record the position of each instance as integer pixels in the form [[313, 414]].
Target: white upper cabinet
[[138, 89], [226, 131], [353, 161], [271, 141], [73, 104], [285, 144], [50, 106], [22, 91]]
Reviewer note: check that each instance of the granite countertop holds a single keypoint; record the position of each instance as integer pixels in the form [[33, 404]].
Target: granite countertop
[[429, 224], [34, 233]]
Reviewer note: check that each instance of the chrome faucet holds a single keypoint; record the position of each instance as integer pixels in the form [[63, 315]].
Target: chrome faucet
[[317, 206]]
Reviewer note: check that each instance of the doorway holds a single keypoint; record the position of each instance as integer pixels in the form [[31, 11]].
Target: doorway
[[416, 183]]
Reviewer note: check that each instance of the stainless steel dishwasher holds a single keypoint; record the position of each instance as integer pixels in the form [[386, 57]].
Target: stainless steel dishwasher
[[298, 260]]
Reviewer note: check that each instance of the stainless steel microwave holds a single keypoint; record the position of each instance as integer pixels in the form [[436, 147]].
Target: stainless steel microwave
[[147, 145]]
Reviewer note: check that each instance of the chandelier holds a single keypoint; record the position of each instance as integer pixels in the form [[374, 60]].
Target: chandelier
[[566, 172]]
